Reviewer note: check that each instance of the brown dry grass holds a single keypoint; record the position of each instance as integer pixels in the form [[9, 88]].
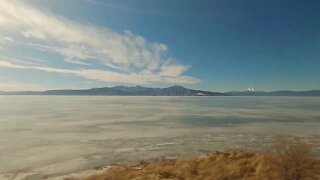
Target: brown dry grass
[[287, 160], [295, 158]]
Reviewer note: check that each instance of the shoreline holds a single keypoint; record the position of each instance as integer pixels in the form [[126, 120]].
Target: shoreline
[[232, 164], [294, 153]]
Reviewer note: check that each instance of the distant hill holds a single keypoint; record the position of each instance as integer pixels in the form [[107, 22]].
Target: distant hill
[[123, 91], [169, 91], [274, 93]]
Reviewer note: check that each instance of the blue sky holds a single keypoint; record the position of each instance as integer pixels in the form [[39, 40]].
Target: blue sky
[[217, 45]]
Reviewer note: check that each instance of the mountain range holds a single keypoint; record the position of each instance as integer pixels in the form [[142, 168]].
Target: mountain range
[[274, 93], [123, 91], [169, 91]]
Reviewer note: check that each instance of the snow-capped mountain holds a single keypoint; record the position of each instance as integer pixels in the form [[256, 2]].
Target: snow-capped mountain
[[251, 89]]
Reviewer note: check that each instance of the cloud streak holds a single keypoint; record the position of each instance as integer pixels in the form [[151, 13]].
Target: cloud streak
[[104, 76], [125, 57]]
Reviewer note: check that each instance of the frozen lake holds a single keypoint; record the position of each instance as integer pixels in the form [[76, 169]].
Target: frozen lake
[[56, 135]]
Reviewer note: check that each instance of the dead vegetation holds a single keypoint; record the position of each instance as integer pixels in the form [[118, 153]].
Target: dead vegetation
[[295, 158], [288, 159]]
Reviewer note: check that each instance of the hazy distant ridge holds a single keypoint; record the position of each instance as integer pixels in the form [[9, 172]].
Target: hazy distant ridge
[[274, 93], [123, 91], [169, 91]]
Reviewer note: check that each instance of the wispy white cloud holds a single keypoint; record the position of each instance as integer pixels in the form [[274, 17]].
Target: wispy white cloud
[[172, 70], [131, 10], [17, 60], [7, 38], [132, 58], [34, 34], [104, 76]]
